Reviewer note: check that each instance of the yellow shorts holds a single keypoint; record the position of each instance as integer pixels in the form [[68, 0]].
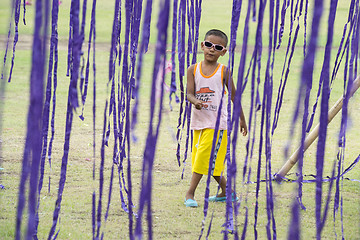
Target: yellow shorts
[[202, 144]]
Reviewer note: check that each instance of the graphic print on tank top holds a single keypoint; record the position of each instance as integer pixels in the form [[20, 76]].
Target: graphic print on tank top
[[205, 95]]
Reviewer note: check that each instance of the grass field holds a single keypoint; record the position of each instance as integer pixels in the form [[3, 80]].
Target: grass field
[[171, 220]]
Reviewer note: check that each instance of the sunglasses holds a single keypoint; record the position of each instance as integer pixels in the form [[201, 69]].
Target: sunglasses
[[217, 47]]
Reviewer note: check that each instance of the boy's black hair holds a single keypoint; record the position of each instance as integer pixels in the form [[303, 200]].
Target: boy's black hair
[[217, 33]]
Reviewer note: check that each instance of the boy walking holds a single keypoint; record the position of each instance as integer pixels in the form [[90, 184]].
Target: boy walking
[[205, 86]]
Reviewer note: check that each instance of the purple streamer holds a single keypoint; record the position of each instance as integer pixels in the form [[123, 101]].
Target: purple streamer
[[337, 64], [151, 141], [197, 26], [237, 101], [342, 137], [267, 98], [181, 59], [143, 49], [72, 104], [16, 8], [30, 168], [306, 84], [231, 170], [294, 231], [283, 12], [257, 57], [324, 79], [173, 52], [212, 156], [101, 175], [7, 42], [46, 110], [191, 26], [283, 82]]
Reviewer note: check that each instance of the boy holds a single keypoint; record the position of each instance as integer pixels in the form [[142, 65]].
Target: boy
[[205, 85]]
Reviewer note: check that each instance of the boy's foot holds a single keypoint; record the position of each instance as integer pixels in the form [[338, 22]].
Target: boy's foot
[[234, 198], [190, 203]]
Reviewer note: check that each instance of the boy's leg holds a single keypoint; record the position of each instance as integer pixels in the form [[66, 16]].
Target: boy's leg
[[222, 182], [195, 179]]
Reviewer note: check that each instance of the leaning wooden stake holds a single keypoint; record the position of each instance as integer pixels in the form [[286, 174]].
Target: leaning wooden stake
[[314, 134]]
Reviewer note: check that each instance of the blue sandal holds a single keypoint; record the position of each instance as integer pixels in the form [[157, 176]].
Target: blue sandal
[[234, 198], [190, 203]]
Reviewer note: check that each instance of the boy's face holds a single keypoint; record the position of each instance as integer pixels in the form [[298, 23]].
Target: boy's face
[[211, 54]]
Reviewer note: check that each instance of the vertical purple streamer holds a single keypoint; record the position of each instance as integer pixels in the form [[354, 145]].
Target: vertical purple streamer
[[151, 141], [143, 48], [198, 4], [231, 169], [91, 43], [137, 9], [46, 110], [283, 79], [256, 104], [294, 229], [267, 100], [191, 29], [349, 69], [71, 105], [351, 21], [240, 82], [282, 24], [83, 80], [181, 59], [34, 122], [7, 41], [217, 132], [16, 7], [101, 175], [53, 107], [92, 37], [173, 53], [306, 83], [194, 25], [127, 91], [324, 78]]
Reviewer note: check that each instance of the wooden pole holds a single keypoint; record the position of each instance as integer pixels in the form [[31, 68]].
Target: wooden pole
[[314, 134]]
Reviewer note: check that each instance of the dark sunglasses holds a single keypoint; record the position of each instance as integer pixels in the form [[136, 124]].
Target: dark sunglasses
[[217, 47]]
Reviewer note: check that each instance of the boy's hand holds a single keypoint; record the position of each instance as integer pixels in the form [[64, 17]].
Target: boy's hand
[[243, 128], [198, 105]]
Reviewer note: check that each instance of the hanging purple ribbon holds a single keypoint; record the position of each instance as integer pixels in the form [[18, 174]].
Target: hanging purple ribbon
[[143, 49], [267, 101], [16, 9], [231, 169], [152, 137], [237, 101], [7, 46], [46, 111], [173, 55], [351, 20], [283, 79], [324, 81], [181, 59], [33, 143], [72, 104]]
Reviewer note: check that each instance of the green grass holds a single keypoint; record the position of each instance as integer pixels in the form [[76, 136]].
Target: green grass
[[171, 220]]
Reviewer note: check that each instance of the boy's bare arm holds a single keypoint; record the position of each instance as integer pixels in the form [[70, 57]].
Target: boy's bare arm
[[243, 126], [228, 78], [191, 88]]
